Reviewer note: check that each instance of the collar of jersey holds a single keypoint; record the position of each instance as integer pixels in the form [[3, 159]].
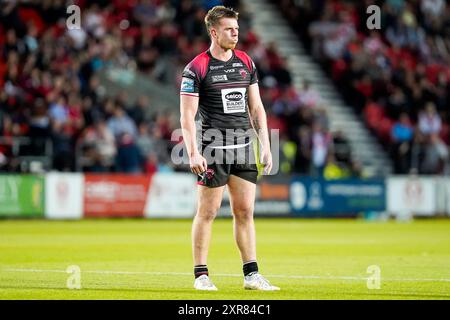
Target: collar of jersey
[[225, 62]]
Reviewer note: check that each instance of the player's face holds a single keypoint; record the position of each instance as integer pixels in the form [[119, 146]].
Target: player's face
[[227, 33]]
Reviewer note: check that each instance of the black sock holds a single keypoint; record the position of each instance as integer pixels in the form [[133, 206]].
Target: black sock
[[250, 267], [200, 270]]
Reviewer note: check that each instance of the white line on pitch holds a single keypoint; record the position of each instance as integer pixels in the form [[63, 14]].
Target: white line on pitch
[[230, 275]]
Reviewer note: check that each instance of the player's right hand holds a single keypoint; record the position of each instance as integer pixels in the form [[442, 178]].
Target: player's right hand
[[197, 163]]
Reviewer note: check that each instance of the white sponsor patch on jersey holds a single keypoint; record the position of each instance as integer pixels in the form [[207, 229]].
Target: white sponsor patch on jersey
[[219, 78], [237, 64], [233, 100]]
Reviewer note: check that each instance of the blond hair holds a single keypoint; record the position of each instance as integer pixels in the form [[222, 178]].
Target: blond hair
[[216, 13]]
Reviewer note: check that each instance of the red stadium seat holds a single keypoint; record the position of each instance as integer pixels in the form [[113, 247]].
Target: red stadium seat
[[445, 133], [384, 129], [373, 114], [30, 15]]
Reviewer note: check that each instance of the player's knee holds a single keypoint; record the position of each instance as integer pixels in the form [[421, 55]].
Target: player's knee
[[207, 214], [243, 213]]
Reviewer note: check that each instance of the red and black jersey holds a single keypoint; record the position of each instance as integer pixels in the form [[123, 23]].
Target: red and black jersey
[[222, 88]]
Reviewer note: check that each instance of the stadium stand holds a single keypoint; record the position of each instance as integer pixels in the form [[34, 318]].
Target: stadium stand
[[53, 112], [396, 78]]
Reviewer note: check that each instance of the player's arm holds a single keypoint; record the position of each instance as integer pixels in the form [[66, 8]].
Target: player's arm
[[188, 110], [259, 122]]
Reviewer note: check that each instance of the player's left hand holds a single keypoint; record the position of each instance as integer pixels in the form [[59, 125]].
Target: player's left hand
[[266, 160]]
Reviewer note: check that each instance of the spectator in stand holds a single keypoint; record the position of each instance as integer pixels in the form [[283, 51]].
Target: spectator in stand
[[160, 145], [342, 33], [397, 103], [429, 121], [121, 99], [356, 170], [432, 8], [146, 13], [120, 123], [303, 152], [275, 123], [91, 111], [321, 117], [304, 117], [144, 142], [282, 74], [435, 156], [94, 21], [286, 104], [99, 148], [342, 149], [321, 145], [151, 163], [2, 119], [9, 15], [402, 135], [63, 153], [13, 44], [139, 111], [147, 54], [75, 115], [39, 127], [308, 96], [128, 159], [333, 170], [58, 111], [5, 149]]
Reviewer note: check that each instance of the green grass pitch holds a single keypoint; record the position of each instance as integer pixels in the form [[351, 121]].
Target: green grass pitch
[[151, 259]]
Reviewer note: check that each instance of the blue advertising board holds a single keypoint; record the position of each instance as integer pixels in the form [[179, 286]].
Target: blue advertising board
[[318, 197]]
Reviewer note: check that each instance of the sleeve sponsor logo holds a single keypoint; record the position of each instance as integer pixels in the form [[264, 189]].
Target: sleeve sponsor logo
[[219, 78], [187, 85]]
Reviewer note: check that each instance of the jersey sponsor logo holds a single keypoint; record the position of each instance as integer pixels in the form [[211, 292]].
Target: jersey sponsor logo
[[233, 100], [218, 78], [189, 72], [230, 70], [187, 85], [243, 73], [215, 67], [234, 96], [237, 64]]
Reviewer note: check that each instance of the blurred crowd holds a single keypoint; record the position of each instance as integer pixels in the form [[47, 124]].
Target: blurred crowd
[[50, 90], [396, 77]]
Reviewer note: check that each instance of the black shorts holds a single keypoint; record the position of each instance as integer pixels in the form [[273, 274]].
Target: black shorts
[[222, 163]]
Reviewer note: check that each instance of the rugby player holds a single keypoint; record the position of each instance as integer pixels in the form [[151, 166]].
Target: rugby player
[[222, 84]]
